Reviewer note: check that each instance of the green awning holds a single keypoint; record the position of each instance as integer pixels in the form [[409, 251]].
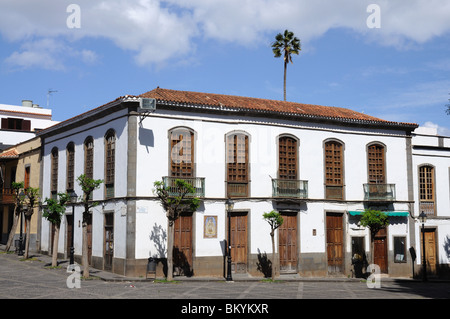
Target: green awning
[[359, 212]]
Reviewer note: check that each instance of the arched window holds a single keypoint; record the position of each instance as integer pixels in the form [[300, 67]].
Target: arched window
[[70, 169], [54, 173], [89, 157], [427, 190], [237, 156], [287, 158], [182, 152], [110, 161], [376, 163], [334, 170]]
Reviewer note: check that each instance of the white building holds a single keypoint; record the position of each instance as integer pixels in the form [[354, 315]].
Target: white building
[[319, 166], [21, 122], [431, 175]]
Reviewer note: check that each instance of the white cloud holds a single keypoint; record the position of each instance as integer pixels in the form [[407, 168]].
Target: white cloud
[[157, 31]]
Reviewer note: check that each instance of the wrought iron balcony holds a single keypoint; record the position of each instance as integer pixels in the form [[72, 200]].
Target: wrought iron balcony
[[379, 192], [289, 188], [198, 183]]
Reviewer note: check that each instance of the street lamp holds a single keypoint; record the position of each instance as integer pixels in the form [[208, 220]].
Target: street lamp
[[230, 205], [73, 200], [423, 219]]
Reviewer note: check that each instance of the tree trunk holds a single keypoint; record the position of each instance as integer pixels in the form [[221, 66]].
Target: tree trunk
[[55, 247], [285, 69], [273, 255], [28, 235], [13, 231], [170, 234], [85, 260]]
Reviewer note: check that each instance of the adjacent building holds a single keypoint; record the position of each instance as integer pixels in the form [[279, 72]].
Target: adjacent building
[[20, 163], [431, 175], [19, 157]]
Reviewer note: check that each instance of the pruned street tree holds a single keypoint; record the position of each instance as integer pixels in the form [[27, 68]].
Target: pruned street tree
[[88, 185], [175, 199], [374, 220], [54, 209], [32, 200], [275, 220], [18, 202]]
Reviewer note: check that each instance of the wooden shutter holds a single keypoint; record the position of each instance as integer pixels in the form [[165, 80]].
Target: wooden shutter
[[287, 158], [426, 190], [54, 171], [182, 153], [70, 166], [89, 158], [376, 160], [110, 158], [334, 178], [237, 164]]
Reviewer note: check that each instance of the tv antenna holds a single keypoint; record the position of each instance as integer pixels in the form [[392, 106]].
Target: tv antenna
[[49, 92]]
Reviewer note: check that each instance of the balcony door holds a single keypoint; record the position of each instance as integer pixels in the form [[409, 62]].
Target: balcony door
[[237, 152], [181, 153]]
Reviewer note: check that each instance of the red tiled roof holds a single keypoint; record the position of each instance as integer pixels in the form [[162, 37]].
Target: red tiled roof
[[265, 105], [12, 153]]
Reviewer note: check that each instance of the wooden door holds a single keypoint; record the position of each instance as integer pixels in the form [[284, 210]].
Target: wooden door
[[182, 247], [238, 242], [335, 243], [380, 250], [380, 253], [287, 243], [69, 219], [430, 250], [108, 241]]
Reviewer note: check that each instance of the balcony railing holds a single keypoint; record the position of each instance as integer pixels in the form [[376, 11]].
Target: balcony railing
[[379, 192], [198, 183], [237, 189], [427, 207], [286, 188], [7, 196]]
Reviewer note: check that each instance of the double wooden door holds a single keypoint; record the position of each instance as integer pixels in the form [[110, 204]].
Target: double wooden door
[[238, 242], [182, 246], [335, 243]]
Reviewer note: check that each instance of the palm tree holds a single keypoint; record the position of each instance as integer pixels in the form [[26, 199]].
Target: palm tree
[[288, 43]]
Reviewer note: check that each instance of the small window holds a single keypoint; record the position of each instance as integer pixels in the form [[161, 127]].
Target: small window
[[400, 249]]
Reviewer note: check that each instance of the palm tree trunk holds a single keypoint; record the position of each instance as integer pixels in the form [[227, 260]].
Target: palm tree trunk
[[285, 69]]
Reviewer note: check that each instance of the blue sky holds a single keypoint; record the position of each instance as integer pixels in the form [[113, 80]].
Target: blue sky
[[399, 71]]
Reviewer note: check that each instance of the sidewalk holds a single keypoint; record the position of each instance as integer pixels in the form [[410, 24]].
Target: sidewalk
[[45, 261]]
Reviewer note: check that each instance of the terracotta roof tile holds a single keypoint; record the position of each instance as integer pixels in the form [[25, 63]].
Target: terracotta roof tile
[[11, 153], [258, 104]]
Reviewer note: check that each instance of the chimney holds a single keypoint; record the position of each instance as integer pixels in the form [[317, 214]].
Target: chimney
[[27, 103]]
